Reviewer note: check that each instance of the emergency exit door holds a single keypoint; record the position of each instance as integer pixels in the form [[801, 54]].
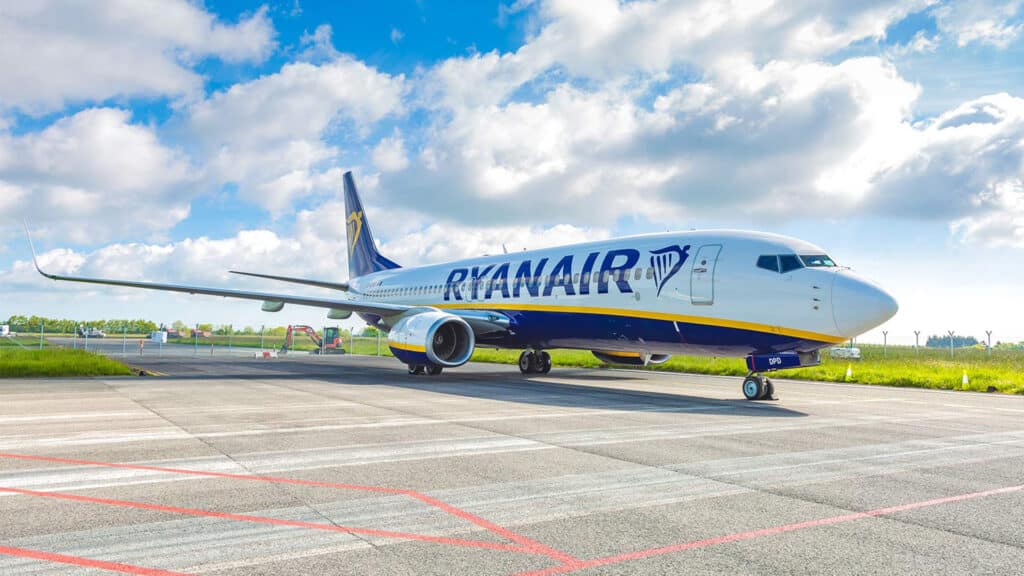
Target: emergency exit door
[[702, 278]]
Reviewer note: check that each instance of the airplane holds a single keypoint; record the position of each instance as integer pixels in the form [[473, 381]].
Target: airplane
[[774, 300]]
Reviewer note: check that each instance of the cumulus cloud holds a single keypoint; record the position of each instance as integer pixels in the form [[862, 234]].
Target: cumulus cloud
[[268, 135], [55, 52], [90, 170], [967, 168], [389, 154], [994, 22]]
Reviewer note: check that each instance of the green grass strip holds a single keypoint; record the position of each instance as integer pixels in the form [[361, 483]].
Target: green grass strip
[[18, 363]]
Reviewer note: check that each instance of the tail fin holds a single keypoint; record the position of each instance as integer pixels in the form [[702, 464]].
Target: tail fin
[[363, 257]]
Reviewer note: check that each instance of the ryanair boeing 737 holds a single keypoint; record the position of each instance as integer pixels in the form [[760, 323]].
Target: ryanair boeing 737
[[776, 301]]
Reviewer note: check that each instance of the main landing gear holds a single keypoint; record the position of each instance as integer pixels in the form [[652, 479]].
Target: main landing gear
[[420, 369], [531, 362], [757, 387]]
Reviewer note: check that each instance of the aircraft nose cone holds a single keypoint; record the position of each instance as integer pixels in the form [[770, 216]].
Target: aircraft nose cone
[[859, 305]]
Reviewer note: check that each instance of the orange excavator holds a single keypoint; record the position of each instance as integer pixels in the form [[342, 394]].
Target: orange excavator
[[329, 344]]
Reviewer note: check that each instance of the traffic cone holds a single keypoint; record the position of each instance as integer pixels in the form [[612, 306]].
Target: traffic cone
[[965, 380], [849, 372]]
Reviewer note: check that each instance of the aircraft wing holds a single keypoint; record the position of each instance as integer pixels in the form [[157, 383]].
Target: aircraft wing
[[377, 308], [343, 286]]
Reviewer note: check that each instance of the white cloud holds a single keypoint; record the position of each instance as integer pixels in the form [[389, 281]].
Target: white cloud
[[96, 176], [968, 168], [389, 154], [444, 242], [56, 52], [268, 135], [396, 35], [994, 22]]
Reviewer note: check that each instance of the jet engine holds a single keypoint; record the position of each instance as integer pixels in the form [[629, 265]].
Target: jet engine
[[432, 337], [630, 358]]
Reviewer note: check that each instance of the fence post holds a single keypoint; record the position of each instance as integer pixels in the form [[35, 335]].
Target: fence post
[[41, 335], [378, 342], [231, 334], [124, 341], [195, 340], [885, 343], [74, 340], [989, 334], [261, 338], [950, 344], [917, 341]]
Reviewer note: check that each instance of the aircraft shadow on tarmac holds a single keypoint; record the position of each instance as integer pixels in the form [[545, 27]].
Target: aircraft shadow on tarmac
[[508, 386]]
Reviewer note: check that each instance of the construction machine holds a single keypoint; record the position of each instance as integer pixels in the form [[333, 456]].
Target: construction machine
[[329, 344]]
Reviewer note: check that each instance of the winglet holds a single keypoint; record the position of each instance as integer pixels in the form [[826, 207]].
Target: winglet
[[32, 247]]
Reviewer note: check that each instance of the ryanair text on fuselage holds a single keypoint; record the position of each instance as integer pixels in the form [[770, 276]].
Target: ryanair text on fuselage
[[486, 281]]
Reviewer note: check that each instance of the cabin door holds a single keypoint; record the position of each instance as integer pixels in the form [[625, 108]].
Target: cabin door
[[702, 278]]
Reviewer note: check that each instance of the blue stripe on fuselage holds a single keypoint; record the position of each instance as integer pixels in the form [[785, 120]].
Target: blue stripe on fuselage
[[548, 329]]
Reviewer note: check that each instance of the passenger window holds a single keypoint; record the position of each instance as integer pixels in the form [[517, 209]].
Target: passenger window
[[789, 262], [769, 263], [639, 272], [650, 273]]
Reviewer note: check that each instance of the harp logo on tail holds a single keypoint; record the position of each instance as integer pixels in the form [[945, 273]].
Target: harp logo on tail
[[354, 226], [667, 262]]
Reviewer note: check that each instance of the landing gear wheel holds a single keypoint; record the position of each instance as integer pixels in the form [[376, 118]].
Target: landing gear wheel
[[526, 362], [753, 387], [434, 369], [543, 363], [416, 369]]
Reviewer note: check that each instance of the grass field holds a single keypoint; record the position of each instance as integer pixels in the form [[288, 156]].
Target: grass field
[[21, 363], [893, 366], [20, 342]]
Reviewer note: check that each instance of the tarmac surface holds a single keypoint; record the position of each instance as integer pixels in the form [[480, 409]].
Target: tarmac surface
[[348, 465]]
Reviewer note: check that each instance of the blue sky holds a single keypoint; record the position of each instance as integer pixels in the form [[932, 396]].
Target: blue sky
[[177, 141]]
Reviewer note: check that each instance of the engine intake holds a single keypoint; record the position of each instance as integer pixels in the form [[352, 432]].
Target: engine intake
[[432, 337]]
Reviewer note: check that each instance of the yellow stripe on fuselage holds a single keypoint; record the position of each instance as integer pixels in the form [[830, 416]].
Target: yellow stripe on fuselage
[[407, 347], [702, 320]]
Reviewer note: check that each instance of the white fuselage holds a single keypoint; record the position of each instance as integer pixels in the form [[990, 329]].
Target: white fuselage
[[685, 292]]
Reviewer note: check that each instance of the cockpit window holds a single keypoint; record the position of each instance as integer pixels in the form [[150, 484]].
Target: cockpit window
[[789, 262], [818, 261], [768, 262]]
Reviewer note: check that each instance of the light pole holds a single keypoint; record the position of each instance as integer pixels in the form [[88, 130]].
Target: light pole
[[989, 334], [885, 342], [261, 338], [917, 341], [195, 339], [950, 343]]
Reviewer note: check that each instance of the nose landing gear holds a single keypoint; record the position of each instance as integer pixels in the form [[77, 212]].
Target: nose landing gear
[[757, 387], [531, 362]]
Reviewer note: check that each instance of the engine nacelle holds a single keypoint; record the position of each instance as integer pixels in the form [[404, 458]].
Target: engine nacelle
[[432, 337], [630, 358]]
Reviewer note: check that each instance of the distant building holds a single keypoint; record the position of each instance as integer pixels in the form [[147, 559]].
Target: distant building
[[5, 330]]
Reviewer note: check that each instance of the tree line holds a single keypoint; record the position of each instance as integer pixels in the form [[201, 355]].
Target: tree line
[[68, 326]]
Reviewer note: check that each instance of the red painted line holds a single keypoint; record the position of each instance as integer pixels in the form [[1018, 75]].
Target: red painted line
[[275, 521], [513, 536], [531, 545], [86, 562], [764, 532]]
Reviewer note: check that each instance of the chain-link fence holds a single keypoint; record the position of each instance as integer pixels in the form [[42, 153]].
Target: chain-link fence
[[222, 341], [205, 340]]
